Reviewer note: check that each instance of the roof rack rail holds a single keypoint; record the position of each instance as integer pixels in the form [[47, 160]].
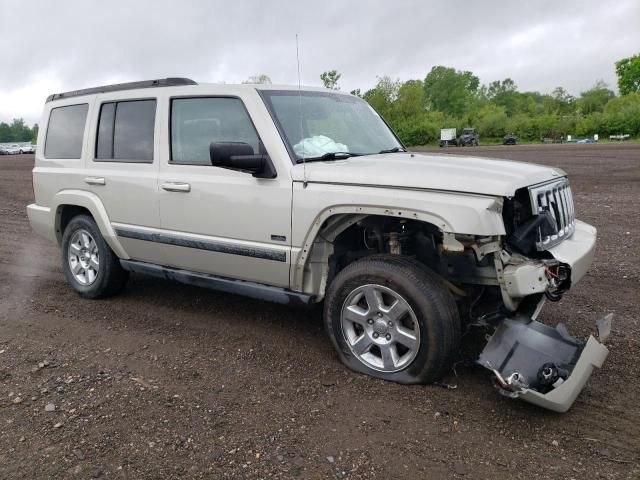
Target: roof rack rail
[[161, 82]]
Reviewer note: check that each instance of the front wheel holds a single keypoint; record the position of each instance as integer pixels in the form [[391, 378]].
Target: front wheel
[[392, 318], [88, 263]]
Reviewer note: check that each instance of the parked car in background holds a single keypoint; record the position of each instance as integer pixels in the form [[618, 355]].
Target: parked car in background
[[509, 139], [469, 137], [11, 149], [27, 149]]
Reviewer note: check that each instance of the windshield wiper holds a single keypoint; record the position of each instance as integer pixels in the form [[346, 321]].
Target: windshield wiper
[[329, 156], [393, 150]]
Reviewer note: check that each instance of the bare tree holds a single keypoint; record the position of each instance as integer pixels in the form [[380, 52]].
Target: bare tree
[[262, 78]]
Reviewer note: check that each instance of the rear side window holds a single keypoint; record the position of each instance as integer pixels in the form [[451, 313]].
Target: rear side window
[[125, 131], [65, 131], [196, 122]]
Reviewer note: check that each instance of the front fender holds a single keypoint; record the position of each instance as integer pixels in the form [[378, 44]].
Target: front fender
[[450, 212], [91, 202]]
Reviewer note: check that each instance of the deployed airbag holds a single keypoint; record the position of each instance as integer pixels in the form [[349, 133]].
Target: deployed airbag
[[317, 146]]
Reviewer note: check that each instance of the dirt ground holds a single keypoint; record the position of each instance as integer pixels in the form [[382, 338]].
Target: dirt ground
[[168, 381]]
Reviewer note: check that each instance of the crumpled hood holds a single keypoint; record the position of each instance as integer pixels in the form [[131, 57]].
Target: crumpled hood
[[431, 172]]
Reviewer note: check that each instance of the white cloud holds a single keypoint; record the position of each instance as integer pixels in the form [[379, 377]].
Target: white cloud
[[27, 101], [72, 44]]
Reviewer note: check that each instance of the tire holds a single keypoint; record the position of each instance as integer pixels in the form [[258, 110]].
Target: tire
[[363, 335], [88, 263]]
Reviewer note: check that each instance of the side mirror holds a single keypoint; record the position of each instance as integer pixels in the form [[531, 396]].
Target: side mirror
[[240, 156]]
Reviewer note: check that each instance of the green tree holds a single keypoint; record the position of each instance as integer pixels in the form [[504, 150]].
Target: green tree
[[628, 71], [594, 99], [17, 131], [383, 95], [6, 134], [505, 94], [330, 79], [622, 114], [410, 99], [492, 121], [450, 91]]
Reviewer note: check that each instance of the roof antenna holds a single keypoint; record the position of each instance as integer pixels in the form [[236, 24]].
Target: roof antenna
[[304, 163]]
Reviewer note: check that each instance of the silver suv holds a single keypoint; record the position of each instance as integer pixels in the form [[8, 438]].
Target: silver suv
[[301, 196]]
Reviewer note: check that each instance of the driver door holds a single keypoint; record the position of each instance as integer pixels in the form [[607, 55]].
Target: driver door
[[216, 220]]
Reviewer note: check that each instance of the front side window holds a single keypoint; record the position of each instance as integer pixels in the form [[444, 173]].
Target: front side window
[[125, 131], [316, 124], [66, 131], [197, 122]]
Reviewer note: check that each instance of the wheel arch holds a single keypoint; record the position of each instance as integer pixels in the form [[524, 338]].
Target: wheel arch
[[310, 269], [69, 203]]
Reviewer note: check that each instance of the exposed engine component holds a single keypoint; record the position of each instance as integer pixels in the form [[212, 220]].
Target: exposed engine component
[[559, 281], [397, 237], [395, 248]]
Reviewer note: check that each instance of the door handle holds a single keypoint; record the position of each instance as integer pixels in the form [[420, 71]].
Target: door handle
[[176, 187], [95, 181]]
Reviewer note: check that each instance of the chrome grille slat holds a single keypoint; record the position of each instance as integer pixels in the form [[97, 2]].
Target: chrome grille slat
[[556, 198], [565, 205], [562, 207]]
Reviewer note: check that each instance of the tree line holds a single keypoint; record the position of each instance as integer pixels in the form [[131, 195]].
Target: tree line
[[18, 131], [447, 98]]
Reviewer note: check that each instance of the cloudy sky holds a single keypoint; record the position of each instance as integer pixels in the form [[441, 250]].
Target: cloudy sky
[[51, 46]]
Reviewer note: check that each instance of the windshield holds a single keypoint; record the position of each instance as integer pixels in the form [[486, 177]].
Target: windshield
[[318, 125]]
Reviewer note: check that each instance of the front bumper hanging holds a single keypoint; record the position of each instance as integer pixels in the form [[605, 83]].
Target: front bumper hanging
[[540, 364]]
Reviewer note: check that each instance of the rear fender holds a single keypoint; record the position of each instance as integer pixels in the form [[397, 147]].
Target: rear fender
[[91, 202]]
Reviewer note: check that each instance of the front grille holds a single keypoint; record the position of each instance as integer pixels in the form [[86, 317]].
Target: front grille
[[554, 197]]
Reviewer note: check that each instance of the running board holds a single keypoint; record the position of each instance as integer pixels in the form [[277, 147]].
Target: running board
[[258, 291]]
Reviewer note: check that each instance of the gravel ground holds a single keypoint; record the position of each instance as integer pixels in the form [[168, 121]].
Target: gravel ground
[[170, 381]]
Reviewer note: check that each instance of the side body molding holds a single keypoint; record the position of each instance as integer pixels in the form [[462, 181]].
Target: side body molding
[[91, 202]]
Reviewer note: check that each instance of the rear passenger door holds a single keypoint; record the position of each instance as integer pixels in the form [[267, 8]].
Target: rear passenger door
[[216, 220], [123, 169]]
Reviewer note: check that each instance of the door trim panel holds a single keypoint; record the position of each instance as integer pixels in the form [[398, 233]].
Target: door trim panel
[[245, 249]]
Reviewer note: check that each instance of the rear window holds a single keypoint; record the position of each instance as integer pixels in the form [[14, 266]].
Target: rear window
[[125, 131], [65, 131]]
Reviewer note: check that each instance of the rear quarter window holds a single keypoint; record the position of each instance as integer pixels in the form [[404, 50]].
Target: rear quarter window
[[65, 131]]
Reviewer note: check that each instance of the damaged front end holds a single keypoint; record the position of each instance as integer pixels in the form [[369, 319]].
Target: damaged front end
[[544, 253], [540, 364]]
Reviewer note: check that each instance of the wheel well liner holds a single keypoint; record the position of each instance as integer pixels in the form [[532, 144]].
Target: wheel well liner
[[64, 214], [315, 270]]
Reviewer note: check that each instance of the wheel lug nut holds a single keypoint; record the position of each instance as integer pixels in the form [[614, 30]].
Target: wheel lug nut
[[376, 334], [388, 336], [390, 323], [379, 314], [370, 321]]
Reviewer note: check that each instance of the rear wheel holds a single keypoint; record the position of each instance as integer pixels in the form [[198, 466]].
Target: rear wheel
[[89, 264], [391, 318]]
